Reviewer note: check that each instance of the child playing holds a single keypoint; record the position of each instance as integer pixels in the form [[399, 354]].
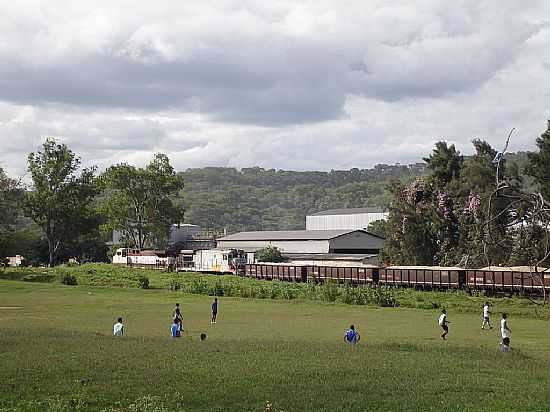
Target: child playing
[[214, 310], [175, 328], [352, 336], [486, 316], [505, 332], [443, 322], [178, 316], [118, 328]]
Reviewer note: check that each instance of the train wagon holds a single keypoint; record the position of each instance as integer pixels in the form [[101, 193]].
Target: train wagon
[[318, 274], [494, 280], [507, 280], [275, 271], [422, 276]]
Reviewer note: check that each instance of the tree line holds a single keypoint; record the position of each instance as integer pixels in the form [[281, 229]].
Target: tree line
[[442, 211], [475, 211], [70, 211]]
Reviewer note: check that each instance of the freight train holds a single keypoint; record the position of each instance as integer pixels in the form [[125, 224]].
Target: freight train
[[496, 280]]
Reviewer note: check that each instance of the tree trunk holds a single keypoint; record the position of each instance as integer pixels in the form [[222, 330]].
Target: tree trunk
[[51, 253]]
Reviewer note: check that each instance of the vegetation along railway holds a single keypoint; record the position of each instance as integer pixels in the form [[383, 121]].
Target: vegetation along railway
[[498, 280]]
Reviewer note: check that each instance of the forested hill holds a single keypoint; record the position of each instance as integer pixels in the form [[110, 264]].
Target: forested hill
[[260, 199]]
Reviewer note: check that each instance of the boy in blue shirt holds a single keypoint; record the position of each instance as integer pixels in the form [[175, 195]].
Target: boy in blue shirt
[[352, 336], [175, 329]]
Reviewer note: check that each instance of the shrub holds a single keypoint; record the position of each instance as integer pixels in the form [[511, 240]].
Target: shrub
[[348, 295], [269, 254], [174, 284], [330, 291], [143, 282], [288, 291], [39, 277], [218, 289], [198, 286], [384, 296], [69, 280]]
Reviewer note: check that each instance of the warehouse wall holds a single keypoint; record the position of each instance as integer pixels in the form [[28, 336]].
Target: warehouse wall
[[343, 222], [358, 240], [288, 246]]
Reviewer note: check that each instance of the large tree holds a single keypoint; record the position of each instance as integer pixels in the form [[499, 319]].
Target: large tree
[[539, 163], [140, 202], [410, 237], [444, 164], [60, 202], [10, 209], [10, 197]]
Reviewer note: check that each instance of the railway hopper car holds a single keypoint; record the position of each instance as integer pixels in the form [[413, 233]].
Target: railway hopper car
[[423, 277]]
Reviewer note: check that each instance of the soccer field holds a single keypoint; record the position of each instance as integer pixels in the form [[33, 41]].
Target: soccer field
[[57, 353]]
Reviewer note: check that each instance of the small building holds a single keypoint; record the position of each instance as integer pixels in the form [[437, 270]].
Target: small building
[[345, 219], [306, 241], [16, 261]]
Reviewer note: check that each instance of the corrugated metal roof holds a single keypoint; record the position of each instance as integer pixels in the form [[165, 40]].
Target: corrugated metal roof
[[352, 211], [289, 235]]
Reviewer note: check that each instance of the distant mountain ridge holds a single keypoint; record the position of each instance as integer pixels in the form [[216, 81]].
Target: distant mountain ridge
[[267, 199]]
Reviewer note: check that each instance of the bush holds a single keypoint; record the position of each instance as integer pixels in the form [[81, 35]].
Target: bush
[[39, 277], [269, 254], [198, 286], [348, 295], [289, 292], [330, 291], [174, 284], [69, 280], [143, 282], [384, 296]]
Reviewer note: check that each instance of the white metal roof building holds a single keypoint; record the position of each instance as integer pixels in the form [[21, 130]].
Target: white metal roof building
[[345, 219], [306, 241]]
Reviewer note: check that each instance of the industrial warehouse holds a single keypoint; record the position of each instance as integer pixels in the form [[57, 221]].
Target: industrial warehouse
[[345, 219], [306, 241]]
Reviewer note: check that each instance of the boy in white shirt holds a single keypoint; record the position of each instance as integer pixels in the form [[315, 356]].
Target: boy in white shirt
[[118, 328], [486, 316], [443, 323], [505, 332]]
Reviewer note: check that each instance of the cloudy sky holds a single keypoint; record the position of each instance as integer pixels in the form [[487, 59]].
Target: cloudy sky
[[302, 85]]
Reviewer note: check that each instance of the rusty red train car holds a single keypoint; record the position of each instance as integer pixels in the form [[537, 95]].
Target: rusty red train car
[[419, 277]]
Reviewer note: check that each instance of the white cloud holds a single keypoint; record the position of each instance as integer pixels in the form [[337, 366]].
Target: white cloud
[[296, 85]]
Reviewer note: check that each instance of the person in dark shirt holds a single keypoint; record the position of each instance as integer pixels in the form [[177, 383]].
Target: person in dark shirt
[[178, 316], [214, 310]]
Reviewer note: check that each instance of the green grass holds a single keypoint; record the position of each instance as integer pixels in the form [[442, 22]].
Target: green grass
[[57, 353], [106, 275]]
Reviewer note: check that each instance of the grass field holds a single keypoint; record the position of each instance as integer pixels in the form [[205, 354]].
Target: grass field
[[57, 353]]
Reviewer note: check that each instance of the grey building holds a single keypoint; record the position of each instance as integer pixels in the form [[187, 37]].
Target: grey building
[[306, 241], [345, 219]]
